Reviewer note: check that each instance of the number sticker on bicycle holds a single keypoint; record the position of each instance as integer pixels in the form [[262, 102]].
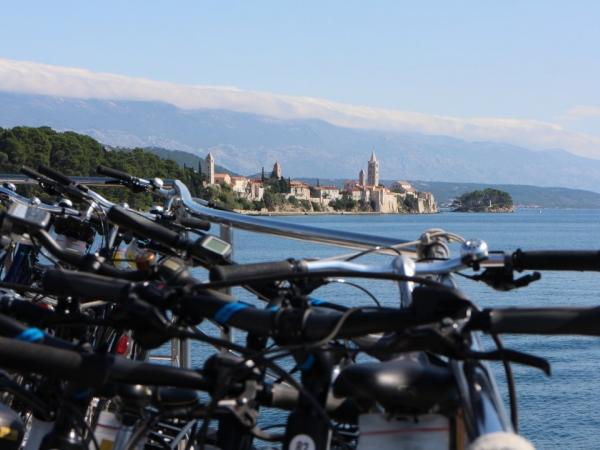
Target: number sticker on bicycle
[[302, 442]]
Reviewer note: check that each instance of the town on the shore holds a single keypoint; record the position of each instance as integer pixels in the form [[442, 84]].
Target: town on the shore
[[274, 193]]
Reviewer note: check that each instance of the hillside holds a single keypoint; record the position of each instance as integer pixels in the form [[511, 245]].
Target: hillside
[[184, 159], [76, 154], [246, 142]]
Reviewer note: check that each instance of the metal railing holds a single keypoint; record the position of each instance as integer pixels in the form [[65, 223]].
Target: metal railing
[[359, 241]]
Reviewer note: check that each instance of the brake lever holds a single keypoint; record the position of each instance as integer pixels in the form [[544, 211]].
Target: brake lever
[[502, 279], [150, 326], [447, 340], [527, 279], [512, 356]]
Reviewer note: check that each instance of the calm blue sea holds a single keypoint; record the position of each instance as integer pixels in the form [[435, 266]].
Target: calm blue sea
[[561, 411]]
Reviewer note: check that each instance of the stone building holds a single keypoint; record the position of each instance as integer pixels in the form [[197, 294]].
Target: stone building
[[426, 202], [361, 177], [277, 171], [239, 185], [356, 193], [326, 193], [208, 168], [299, 190], [255, 190], [402, 186], [382, 199], [219, 178], [373, 171]]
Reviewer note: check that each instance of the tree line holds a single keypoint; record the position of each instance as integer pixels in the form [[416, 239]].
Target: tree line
[[485, 200], [76, 154]]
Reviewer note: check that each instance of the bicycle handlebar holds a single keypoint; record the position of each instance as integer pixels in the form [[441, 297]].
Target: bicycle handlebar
[[566, 260], [114, 173], [28, 171], [93, 369], [193, 222], [25, 311], [55, 175], [301, 324], [314, 324], [84, 285], [146, 227], [53, 209], [150, 229], [12, 328], [544, 321], [283, 269], [87, 262], [576, 260]]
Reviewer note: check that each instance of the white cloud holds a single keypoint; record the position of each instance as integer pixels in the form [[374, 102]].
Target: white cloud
[[35, 78], [582, 112]]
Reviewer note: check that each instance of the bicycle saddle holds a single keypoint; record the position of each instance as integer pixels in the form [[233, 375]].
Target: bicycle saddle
[[408, 384]]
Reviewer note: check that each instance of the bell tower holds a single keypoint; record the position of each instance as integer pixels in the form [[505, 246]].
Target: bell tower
[[209, 168], [373, 170]]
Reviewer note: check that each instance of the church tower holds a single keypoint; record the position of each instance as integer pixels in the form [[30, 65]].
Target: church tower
[[209, 168], [277, 171], [373, 171], [361, 177]]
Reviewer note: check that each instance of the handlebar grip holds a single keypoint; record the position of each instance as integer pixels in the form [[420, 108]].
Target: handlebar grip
[[138, 372], [55, 175], [84, 285], [50, 361], [11, 328], [92, 369], [248, 271], [545, 321], [114, 173], [28, 171], [143, 226], [193, 222], [576, 260], [26, 311]]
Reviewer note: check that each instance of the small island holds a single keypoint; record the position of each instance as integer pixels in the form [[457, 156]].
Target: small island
[[488, 200]]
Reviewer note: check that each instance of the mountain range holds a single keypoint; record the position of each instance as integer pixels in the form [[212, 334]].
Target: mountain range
[[245, 142]]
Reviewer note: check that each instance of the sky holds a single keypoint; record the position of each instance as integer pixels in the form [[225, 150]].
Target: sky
[[533, 62]]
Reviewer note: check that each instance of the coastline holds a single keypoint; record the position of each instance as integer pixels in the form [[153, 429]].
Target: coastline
[[490, 211], [327, 213]]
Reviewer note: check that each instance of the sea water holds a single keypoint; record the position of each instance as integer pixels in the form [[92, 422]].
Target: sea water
[[561, 411]]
